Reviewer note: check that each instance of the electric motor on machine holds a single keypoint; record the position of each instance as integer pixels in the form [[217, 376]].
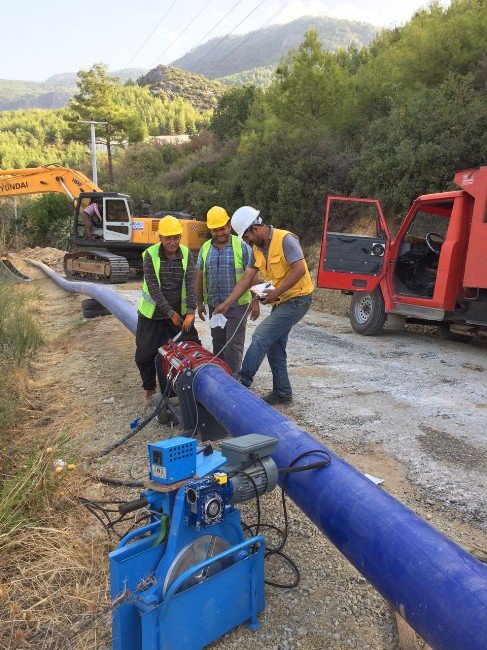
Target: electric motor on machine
[[249, 463]]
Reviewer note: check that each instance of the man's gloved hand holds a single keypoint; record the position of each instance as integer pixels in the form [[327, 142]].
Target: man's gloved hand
[[177, 319], [187, 322]]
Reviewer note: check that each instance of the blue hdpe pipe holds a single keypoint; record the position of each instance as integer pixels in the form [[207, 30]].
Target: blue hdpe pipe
[[120, 308], [433, 583]]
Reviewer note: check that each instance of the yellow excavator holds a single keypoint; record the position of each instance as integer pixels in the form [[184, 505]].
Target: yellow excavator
[[113, 253]]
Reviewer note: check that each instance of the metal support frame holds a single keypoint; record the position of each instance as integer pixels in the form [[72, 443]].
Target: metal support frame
[[191, 415]]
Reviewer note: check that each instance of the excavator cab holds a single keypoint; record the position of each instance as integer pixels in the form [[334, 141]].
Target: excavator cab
[[116, 213]]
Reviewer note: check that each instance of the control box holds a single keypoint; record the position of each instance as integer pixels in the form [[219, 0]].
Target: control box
[[172, 460]]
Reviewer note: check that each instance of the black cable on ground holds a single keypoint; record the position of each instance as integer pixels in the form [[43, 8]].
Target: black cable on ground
[[129, 435], [103, 512], [117, 482], [139, 427], [278, 550]]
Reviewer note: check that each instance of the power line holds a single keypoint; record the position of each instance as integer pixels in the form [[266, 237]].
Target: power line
[[215, 26], [181, 33], [228, 54], [152, 32], [227, 35]]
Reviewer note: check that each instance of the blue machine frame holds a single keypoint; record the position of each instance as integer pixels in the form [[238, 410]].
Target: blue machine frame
[[146, 618]]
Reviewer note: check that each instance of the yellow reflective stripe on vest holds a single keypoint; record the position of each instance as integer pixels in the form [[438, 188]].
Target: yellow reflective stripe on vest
[[239, 268], [147, 304], [205, 249]]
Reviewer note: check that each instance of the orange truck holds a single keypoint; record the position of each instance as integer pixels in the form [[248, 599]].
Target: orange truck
[[434, 271], [114, 254]]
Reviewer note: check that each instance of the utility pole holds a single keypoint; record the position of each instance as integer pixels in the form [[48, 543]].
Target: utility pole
[[93, 147]]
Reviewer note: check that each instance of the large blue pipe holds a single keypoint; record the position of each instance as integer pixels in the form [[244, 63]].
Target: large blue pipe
[[120, 308], [434, 584]]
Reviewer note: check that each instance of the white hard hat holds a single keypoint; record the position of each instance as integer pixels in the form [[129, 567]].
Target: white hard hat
[[243, 218]]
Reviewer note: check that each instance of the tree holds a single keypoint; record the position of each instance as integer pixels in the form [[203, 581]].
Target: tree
[[232, 111], [312, 88], [96, 99]]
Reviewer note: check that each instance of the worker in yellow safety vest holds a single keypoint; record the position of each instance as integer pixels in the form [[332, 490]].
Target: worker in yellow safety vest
[[168, 301], [221, 263], [278, 257]]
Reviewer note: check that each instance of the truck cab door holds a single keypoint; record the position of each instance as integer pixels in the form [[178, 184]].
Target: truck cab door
[[117, 219], [355, 245]]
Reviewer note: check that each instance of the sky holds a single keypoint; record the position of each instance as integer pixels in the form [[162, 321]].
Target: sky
[[41, 39]]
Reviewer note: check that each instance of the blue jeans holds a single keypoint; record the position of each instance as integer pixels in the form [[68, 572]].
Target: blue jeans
[[270, 338]]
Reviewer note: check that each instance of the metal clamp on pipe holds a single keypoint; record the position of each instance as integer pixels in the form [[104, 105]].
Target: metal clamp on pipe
[[177, 365]]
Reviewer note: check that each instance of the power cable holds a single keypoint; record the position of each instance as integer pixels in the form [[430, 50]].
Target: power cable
[[279, 549], [252, 34], [227, 35], [182, 32], [215, 26], [150, 35]]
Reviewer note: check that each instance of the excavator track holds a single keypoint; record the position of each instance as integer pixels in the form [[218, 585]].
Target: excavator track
[[97, 266]]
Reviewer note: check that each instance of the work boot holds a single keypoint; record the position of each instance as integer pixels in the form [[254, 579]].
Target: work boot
[[274, 398], [147, 407]]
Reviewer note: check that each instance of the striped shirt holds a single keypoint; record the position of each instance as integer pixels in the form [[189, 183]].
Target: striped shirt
[[168, 295], [220, 271], [93, 212]]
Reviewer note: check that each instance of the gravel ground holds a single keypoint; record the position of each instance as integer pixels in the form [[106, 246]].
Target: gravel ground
[[423, 400], [407, 407]]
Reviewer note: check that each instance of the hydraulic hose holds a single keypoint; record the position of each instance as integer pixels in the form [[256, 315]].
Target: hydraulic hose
[[440, 589]]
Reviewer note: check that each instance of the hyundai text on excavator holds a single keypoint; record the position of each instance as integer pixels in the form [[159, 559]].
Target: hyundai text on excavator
[[117, 245], [434, 271]]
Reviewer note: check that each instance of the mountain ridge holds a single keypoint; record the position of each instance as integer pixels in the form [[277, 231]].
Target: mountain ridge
[[225, 56], [234, 60], [53, 93]]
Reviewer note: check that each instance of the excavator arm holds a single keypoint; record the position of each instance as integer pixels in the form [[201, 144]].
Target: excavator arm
[[84, 264], [37, 180]]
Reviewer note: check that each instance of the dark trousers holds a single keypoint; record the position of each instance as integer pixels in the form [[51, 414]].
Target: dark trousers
[[150, 335]]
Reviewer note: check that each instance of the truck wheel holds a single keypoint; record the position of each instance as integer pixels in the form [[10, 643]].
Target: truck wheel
[[91, 304], [367, 312], [444, 332], [94, 313]]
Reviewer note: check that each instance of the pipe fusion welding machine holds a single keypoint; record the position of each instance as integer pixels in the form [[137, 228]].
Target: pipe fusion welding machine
[[190, 575]]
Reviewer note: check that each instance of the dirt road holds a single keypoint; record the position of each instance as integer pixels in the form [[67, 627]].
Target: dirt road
[[406, 407]]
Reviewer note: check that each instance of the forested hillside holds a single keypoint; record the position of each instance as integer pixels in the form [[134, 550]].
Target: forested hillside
[[38, 137], [260, 77], [55, 92], [222, 57], [172, 83], [390, 121]]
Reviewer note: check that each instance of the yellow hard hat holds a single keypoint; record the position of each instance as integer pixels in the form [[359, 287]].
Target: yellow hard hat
[[169, 226], [216, 217]]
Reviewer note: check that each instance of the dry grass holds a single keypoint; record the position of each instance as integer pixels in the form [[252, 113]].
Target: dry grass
[[55, 595], [53, 566]]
